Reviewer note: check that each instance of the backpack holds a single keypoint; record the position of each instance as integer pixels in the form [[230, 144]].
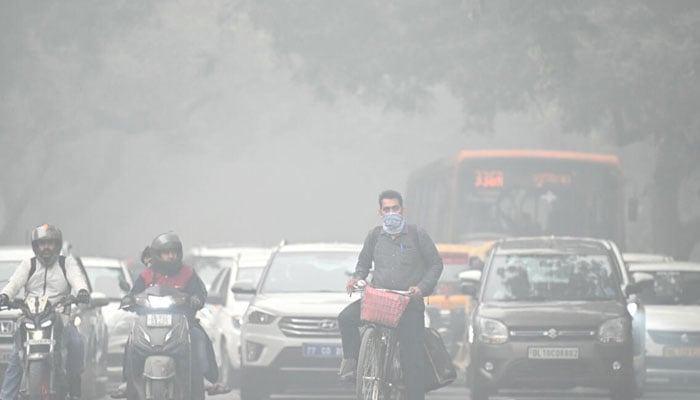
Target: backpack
[[61, 263]]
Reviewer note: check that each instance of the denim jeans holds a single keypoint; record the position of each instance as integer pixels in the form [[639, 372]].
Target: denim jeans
[[411, 331], [74, 343]]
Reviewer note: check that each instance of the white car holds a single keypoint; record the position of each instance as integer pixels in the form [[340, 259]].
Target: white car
[[10, 257], [638, 258], [111, 277], [208, 260], [672, 320], [225, 309], [289, 334]]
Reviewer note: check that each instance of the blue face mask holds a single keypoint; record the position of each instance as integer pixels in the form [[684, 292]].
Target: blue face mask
[[393, 223]]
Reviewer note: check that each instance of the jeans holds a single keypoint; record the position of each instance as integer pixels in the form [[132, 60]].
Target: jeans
[[74, 343], [411, 329]]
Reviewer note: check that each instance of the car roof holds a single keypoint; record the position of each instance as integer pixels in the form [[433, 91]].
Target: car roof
[[552, 244], [225, 250], [680, 266], [645, 257], [15, 253], [96, 262], [320, 247]]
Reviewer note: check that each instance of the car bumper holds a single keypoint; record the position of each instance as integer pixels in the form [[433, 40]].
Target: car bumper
[[508, 365]]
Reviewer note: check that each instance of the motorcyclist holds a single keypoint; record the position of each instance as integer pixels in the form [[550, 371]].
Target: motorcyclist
[[54, 276], [165, 268]]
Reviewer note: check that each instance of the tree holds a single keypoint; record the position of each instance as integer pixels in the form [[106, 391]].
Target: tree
[[627, 69]]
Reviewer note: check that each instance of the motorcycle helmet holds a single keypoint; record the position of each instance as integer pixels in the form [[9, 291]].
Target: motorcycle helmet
[[163, 243], [47, 233]]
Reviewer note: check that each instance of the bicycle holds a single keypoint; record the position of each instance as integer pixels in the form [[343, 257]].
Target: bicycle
[[378, 366]]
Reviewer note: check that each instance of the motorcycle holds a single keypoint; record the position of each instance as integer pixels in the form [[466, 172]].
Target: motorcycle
[[42, 353], [159, 361]]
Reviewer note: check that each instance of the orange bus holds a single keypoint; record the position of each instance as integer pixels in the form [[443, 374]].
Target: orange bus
[[481, 195]]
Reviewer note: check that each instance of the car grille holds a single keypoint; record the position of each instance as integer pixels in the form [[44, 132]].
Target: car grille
[[557, 371], [7, 328], [310, 327], [678, 338], [686, 364], [550, 334]]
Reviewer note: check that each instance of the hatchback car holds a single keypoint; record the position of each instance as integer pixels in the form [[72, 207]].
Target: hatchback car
[[289, 333], [673, 320], [552, 312]]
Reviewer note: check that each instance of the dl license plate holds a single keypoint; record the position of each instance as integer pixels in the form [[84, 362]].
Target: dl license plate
[[552, 353], [682, 352], [159, 320], [322, 350]]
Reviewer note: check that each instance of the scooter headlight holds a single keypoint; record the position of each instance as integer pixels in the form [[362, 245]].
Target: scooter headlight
[[29, 325], [161, 301], [48, 323]]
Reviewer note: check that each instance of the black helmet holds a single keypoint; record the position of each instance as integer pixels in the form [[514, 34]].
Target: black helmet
[[164, 242], [47, 233]]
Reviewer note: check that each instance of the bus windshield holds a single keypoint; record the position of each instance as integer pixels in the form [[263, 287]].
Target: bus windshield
[[530, 197]]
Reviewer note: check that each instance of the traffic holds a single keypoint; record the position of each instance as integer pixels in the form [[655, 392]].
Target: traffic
[[499, 312]]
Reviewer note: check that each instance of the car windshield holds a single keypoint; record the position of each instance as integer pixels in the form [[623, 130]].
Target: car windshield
[[673, 288], [7, 268], [551, 277], [309, 272], [208, 267], [106, 280], [251, 274]]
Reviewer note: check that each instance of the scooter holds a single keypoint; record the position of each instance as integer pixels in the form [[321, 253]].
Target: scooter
[[159, 362]]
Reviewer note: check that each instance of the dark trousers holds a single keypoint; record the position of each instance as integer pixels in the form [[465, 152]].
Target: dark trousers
[[411, 330]]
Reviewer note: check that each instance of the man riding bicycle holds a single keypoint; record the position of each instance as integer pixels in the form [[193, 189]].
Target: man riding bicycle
[[405, 258]]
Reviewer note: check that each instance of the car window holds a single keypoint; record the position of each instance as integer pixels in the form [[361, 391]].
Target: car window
[[551, 277], [673, 288], [308, 272], [106, 280], [7, 268]]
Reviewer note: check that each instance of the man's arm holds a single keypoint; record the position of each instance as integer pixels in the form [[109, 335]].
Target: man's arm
[[139, 286], [433, 263], [17, 280], [364, 261], [74, 275], [196, 288]]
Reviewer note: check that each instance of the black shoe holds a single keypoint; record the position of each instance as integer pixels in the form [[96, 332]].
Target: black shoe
[[218, 388], [119, 393], [348, 370]]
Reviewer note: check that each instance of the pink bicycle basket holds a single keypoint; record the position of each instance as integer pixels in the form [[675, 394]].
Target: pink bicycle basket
[[382, 307]]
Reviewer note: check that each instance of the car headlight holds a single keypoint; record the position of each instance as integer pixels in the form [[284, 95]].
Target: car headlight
[[259, 317], [612, 331], [492, 331]]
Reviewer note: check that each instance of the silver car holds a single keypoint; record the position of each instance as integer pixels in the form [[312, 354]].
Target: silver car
[[672, 320], [10, 257], [289, 333]]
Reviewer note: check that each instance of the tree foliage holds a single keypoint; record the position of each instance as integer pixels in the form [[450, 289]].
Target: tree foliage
[[625, 69]]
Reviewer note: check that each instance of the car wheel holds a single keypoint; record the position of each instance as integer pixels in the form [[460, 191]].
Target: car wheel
[[227, 371], [478, 389]]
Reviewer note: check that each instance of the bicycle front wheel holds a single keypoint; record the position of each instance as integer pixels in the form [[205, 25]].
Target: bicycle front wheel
[[369, 366]]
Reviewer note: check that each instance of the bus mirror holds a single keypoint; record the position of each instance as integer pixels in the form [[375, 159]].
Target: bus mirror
[[633, 209]]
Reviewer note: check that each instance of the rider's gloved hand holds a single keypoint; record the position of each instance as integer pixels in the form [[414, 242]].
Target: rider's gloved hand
[[4, 300], [83, 296], [127, 301], [196, 303]]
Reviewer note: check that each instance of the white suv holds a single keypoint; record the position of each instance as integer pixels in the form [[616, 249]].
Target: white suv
[[226, 309], [289, 334]]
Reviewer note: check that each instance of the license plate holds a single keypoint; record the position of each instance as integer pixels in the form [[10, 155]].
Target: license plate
[[159, 320], [682, 352], [322, 350], [552, 353]]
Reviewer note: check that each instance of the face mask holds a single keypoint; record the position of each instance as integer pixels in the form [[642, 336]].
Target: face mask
[[393, 223]]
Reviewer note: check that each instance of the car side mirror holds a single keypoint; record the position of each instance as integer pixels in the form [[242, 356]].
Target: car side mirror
[[98, 300], [243, 287], [470, 281]]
